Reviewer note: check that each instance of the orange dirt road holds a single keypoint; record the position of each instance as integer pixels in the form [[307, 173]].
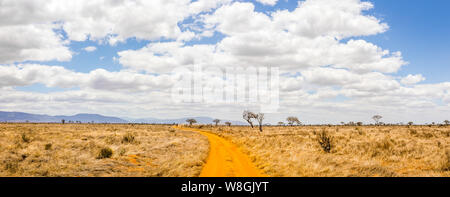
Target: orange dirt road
[[225, 159]]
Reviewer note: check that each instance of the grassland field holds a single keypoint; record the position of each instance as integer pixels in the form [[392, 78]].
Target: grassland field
[[133, 150]]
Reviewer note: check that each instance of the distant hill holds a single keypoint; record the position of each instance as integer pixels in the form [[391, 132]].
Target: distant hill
[[86, 118]]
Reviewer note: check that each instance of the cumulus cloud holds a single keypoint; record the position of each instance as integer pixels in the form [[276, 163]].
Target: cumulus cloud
[[256, 39], [99, 79], [339, 19], [268, 2], [115, 20], [31, 43], [164, 57], [90, 49], [412, 79]]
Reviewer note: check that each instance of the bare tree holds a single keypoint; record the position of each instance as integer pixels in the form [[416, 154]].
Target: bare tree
[[446, 122], [216, 121], [377, 119], [248, 116], [191, 121], [291, 120], [260, 117], [228, 123]]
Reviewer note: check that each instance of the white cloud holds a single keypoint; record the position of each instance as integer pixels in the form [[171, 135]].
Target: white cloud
[[163, 57], [90, 49], [268, 2], [412, 79], [99, 79], [255, 39], [114, 20], [31, 43], [339, 19], [27, 28], [206, 5]]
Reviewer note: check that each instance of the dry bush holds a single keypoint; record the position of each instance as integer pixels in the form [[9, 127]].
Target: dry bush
[[105, 153], [48, 146], [128, 138], [25, 138], [325, 140]]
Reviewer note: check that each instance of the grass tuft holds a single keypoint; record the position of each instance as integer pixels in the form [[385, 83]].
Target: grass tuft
[[105, 153], [128, 138]]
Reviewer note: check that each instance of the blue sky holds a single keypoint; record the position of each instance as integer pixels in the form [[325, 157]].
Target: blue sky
[[420, 29]]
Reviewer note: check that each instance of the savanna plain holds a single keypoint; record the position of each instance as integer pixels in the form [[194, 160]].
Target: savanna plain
[[135, 150]]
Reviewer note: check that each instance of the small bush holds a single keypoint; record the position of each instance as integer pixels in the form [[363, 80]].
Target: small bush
[[325, 141], [23, 157], [48, 146], [122, 151], [128, 138], [25, 138], [105, 153]]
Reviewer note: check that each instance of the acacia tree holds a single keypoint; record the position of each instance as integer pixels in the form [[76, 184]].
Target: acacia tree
[[281, 123], [446, 122], [377, 119], [228, 123], [291, 120], [248, 116], [260, 117], [216, 121], [191, 121], [63, 121]]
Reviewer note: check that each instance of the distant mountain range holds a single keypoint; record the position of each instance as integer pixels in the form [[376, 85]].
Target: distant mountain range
[[86, 118]]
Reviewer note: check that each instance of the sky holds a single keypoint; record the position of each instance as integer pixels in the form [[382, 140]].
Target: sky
[[339, 61]]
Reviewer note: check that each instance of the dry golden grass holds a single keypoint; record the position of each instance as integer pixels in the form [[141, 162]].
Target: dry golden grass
[[355, 151], [74, 150], [157, 150]]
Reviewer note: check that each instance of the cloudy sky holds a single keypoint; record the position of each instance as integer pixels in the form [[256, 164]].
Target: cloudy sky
[[343, 60]]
